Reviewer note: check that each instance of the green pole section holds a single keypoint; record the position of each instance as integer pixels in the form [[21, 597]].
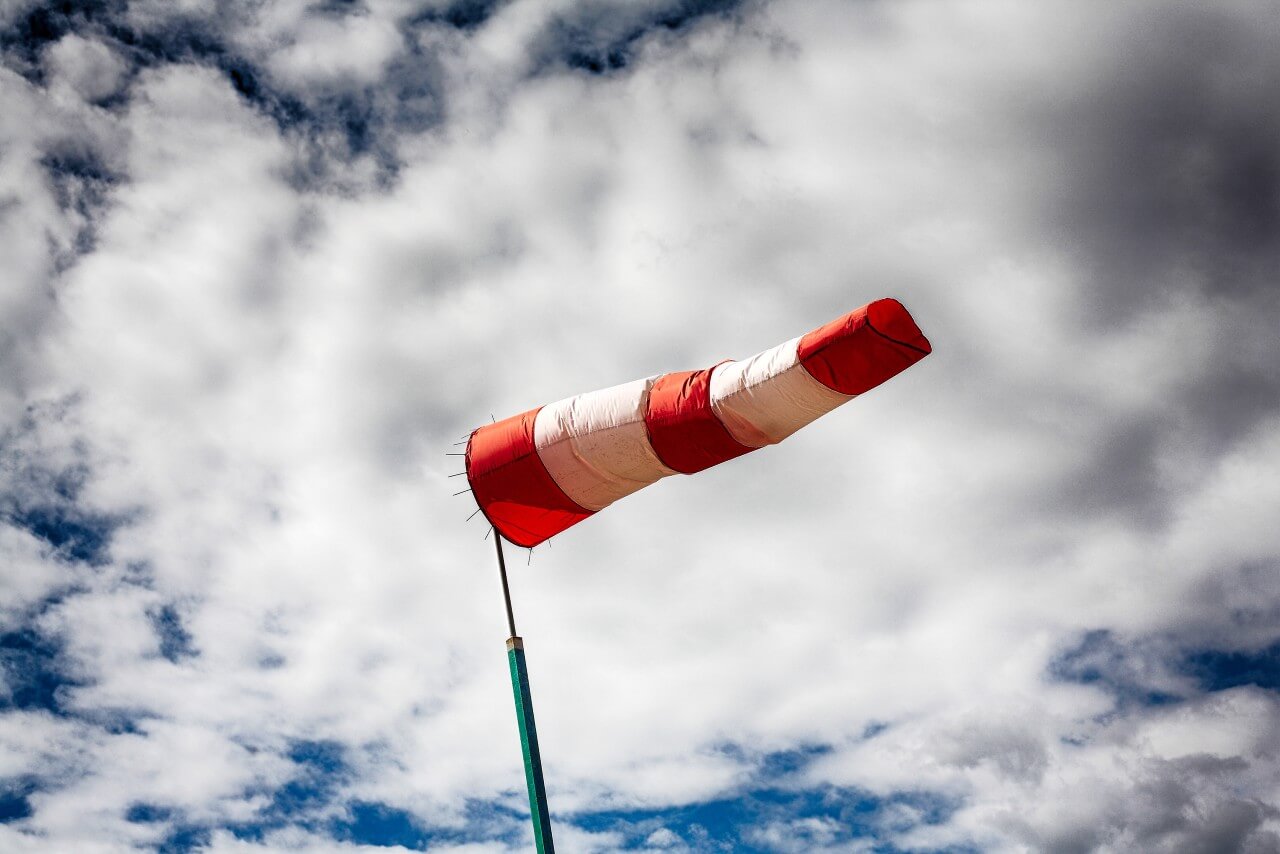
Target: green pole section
[[524, 715], [529, 744]]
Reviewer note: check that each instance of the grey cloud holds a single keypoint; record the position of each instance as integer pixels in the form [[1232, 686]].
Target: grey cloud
[[1240, 608], [90, 68], [81, 183], [1172, 169], [1122, 476], [1011, 750], [1128, 471], [1170, 810], [1165, 185]]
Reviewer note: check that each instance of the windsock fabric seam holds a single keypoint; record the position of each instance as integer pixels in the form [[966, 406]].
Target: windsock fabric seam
[[919, 350], [566, 474]]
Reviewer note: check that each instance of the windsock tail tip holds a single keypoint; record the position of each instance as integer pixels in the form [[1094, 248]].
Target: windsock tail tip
[[891, 318]]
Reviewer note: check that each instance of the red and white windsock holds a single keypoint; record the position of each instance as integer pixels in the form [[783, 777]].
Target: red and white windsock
[[538, 473]]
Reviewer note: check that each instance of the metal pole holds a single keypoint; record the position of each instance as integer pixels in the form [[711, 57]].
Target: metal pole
[[538, 812], [506, 590]]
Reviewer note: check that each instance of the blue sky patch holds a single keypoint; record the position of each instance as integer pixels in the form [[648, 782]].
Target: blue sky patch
[[34, 672], [1218, 670], [378, 824], [184, 838], [1127, 670], [73, 533], [15, 804], [175, 641], [730, 824], [461, 14], [602, 41]]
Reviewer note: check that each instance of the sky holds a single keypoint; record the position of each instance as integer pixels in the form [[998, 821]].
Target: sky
[[263, 263]]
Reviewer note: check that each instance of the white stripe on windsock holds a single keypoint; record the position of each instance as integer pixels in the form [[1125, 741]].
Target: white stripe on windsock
[[764, 399], [595, 445]]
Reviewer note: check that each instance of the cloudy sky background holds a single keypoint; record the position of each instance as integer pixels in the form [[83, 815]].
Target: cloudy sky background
[[262, 263]]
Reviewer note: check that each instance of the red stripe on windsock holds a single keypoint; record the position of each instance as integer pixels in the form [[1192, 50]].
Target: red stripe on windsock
[[512, 486], [684, 431], [857, 352]]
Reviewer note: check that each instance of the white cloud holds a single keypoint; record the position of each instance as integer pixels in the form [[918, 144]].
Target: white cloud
[[357, 46], [89, 68]]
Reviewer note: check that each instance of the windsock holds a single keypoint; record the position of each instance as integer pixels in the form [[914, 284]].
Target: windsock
[[538, 473]]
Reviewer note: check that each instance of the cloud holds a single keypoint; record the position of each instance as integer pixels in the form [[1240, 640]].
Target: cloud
[[266, 263], [1172, 181], [91, 69]]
